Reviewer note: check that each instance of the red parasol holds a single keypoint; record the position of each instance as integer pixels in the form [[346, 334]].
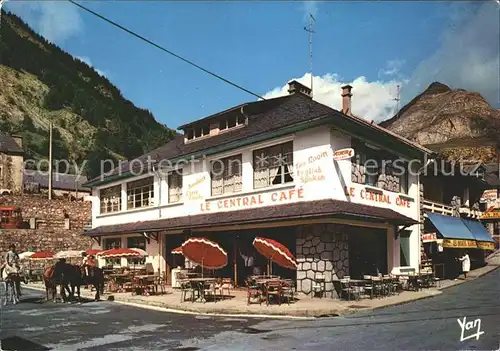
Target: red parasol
[[42, 255], [205, 253], [275, 252], [177, 251], [129, 253]]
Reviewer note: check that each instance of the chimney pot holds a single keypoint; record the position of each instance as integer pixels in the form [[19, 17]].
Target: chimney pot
[[346, 99]]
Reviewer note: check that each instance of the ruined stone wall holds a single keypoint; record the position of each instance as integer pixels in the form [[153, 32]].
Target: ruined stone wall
[[321, 249], [51, 231]]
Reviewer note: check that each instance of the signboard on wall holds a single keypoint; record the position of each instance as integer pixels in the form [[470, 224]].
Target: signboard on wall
[[312, 168], [193, 193], [343, 154], [459, 244], [429, 237], [493, 213], [489, 196], [250, 201], [380, 197]]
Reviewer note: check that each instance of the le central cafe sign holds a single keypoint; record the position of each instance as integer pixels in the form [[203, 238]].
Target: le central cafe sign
[[249, 201], [378, 197]]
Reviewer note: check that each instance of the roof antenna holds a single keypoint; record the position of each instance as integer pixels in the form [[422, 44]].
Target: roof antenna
[[310, 30], [397, 98]]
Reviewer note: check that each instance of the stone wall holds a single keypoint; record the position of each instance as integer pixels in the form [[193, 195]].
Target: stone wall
[[386, 181], [321, 249], [50, 233]]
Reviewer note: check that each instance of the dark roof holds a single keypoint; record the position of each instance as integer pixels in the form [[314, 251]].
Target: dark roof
[[264, 116], [298, 210], [60, 181], [9, 145]]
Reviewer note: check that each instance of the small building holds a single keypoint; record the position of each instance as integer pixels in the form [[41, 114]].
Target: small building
[[11, 163], [340, 192], [64, 185]]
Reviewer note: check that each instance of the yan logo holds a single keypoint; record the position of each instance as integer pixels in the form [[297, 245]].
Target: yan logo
[[470, 327]]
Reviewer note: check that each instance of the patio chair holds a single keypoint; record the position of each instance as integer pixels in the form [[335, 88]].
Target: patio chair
[[224, 284], [318, 286], [254, 291], [368, 287], [187, 288], [273, 288], [348, 289], [208, 289], [288, 289]]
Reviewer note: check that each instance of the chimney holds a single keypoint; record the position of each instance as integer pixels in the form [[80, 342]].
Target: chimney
[[295, 87], [346, 99], [18, 139]]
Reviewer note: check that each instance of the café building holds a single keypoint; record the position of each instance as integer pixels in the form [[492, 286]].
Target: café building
[[320, 181]]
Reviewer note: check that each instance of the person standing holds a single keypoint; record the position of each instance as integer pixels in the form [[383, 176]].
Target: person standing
[[249, 262], [465, 264], [12, 262]]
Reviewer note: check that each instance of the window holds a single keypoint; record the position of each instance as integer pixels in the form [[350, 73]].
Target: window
[[175, 186], [136, 242], [140, 193], [197, 132], [112, 243], [273, 165], [190, 134], [231, 122], [111, 199], [226, 175]]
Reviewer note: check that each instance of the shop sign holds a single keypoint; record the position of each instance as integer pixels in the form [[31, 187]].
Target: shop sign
[[380, 197], [343, 154], [489, 196], [193, 193], [491, 213], [249, 201], [310, 171], [429, 237], [459, 244], [486, 245]]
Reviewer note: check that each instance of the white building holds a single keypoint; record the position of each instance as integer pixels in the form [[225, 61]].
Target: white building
[[338, 219]]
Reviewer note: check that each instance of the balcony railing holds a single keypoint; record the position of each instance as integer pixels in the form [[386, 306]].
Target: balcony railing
[[437, 207], [447, 210]]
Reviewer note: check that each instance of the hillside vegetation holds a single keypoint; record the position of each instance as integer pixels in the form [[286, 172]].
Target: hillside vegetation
[[91, 118]]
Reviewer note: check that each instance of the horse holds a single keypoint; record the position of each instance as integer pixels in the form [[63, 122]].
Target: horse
[[51, 279], [71, 276], [12, 279]]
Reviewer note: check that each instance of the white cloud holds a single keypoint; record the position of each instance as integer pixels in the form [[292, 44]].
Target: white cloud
[[57, 21], [468, 57], [371, 100], [86, 59], [392, 68]]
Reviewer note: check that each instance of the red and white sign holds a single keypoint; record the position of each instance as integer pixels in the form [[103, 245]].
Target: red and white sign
[[489, 196], [343, 154], [429, 237]]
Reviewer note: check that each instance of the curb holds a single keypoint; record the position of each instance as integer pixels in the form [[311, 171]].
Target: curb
[[438, 292], [493, 268]]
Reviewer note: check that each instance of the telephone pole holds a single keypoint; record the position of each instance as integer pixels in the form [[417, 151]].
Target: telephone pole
[[50, 160], [310, 30]]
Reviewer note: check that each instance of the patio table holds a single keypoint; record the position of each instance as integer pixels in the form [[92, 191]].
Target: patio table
[[200, 283]]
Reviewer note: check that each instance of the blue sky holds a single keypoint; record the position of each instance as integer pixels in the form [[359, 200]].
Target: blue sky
[[262, 45]]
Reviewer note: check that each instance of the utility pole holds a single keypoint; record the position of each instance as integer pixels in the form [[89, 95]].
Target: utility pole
[[397, 98], [310, 30], [50, 160]]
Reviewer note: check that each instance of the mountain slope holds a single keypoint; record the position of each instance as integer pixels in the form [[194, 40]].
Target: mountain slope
[[454, 122], [92, 120]]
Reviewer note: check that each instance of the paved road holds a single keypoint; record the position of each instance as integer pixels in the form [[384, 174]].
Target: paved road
[[422, 325]]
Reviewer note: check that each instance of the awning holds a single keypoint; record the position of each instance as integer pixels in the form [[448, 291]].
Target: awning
[[266, 214], [454, 232], [483, 238]]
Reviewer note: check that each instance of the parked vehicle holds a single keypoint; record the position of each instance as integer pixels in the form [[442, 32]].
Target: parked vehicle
[[10, 217]]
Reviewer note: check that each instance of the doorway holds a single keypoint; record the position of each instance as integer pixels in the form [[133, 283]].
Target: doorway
[[367, 252]]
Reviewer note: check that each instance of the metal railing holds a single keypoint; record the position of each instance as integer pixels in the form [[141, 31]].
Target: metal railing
[[437, 207]]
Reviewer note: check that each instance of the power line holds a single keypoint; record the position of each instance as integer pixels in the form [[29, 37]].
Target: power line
[[166, 50]]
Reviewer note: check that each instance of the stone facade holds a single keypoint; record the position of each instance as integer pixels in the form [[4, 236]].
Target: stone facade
[[11, 175], [386, 181], [53, 218], [321, 249]]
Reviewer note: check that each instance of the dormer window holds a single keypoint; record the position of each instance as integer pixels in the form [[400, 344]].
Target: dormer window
[[231, 122], [197, 132]]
